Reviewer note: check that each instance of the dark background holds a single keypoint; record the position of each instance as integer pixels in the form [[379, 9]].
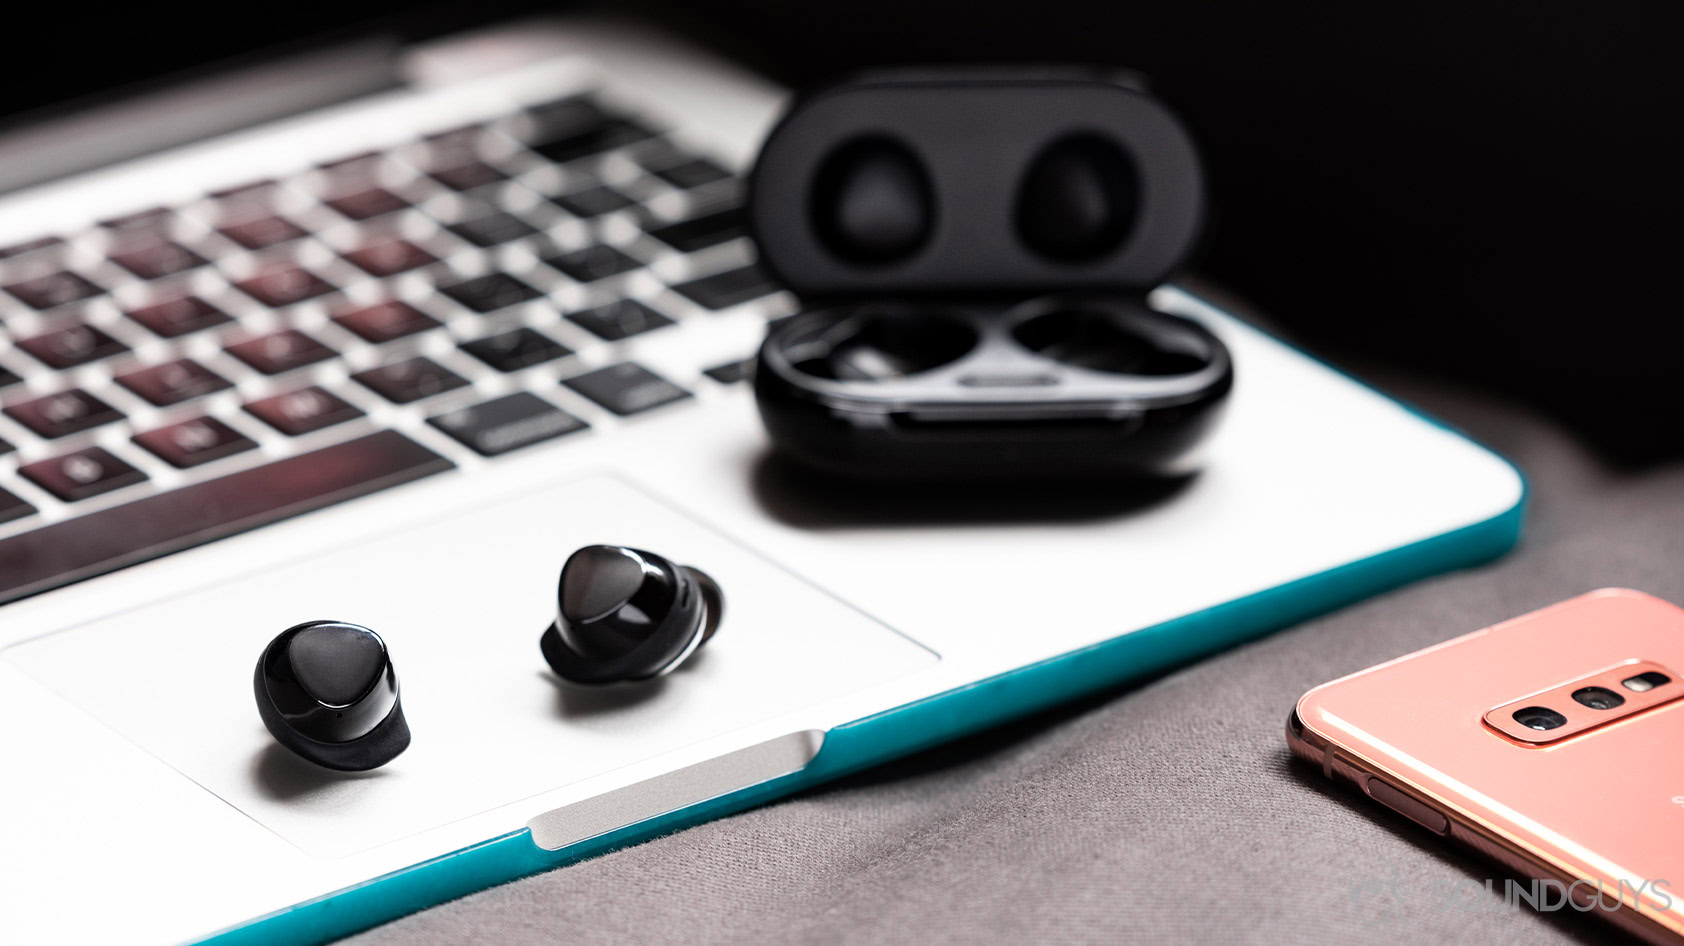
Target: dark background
[[1485, 191]]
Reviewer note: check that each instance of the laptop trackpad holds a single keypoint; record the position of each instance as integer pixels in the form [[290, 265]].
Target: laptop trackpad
[[461, 602]]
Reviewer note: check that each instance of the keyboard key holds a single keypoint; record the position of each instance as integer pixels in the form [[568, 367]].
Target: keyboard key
[[731, 372], [284, 285], [63, 414], [53, 289], [699, 233], [626, 388], [492, 229], [574, 128], [133, 532], [12, 507], [300, 412], [71, 346], [173, 382], [507, 423], [516, 349], [176, 317], [141, 221], [81, 474], [157, 259], [593, 201], [193, 442], [490, 292], [280, 351], [244, 194], [592, 263], [261, 233], [691, 173], [410, 380], [7, 378], [354, 167], [29, 246], [5, 446], [729, 288], [619, 319], [467, 176], [364, 204], [385, 321], [390, 258]]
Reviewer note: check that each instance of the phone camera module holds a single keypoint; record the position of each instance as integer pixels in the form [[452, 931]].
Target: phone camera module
[[1539, 718], [1598, 698], [1644, 682]]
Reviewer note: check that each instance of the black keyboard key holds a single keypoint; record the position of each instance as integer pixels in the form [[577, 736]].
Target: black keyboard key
[[173, 382], [619, 319], [157, 258], [592, 263], [5, 446], [699, 233], [385, 321], [731, 372], [467, 176], [516, 349], [691, 173], [29, 246], [626, 388], [173, 318], [492, 229], [263, 232], [81, 474], [280, 351], [146, 528], [12, 507], [576, 128], [410, 380], [304, 411], [593, 201], [507, 423], [356, 167], [7, 378], [729, 288], [365, 204], [194, 442], [390, 257], [53, 289], [490, 292], [284, 285], [63, 413], [141, 221], [71, 346]]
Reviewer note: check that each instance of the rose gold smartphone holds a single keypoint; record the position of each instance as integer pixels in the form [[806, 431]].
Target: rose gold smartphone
[[1553, 742]]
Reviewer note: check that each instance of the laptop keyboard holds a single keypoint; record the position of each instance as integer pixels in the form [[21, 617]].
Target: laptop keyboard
[[250, 348]]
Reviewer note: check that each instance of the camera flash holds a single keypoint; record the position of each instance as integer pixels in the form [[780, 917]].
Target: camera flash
[[1644, 681]]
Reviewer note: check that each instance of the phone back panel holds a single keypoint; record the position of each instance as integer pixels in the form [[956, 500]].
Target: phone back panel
[[1604, 804]]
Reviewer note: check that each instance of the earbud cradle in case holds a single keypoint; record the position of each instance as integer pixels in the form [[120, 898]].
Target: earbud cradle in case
[[973, 254]]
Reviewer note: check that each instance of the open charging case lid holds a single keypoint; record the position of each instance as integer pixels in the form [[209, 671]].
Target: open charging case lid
[[973, 252]]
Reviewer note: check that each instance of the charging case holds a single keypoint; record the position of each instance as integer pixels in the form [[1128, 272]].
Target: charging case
[[973, 254]]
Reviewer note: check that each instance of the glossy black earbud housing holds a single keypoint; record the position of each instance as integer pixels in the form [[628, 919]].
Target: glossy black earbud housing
[[973, 252], [625, 614], [327, 690]]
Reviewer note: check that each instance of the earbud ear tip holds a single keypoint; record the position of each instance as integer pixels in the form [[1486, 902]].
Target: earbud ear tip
[[713, 600]]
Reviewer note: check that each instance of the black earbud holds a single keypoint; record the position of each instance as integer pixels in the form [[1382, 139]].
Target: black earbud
[[327, 691], [626, 614]]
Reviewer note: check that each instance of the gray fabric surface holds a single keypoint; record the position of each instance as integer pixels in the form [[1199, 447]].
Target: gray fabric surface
[[1166, 812]]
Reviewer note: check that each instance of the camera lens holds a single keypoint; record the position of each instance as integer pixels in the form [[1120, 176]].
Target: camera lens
[[1645, 681], [1599, 698], [1539, 717]]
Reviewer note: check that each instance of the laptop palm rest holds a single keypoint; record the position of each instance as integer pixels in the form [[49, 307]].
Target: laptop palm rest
[[492, 726]]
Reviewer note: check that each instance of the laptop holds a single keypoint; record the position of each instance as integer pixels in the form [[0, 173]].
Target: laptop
[[389, 359]]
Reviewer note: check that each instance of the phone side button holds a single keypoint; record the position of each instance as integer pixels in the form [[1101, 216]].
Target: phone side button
[[1406, 805]]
